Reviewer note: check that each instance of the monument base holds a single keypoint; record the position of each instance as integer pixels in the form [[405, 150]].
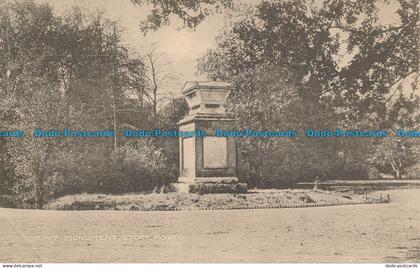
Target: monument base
[[208, 180], [213, 186]]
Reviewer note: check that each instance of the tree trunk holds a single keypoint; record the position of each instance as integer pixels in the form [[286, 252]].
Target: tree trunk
[[39, 193], [397, 174]]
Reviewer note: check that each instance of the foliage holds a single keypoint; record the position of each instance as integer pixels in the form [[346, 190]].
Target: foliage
[[7, 201], [276, 105], [33, 158], [132, 167], [300, 46], [143, 165], [398, 155], [70, 71], [6, 168], [311, 41], [191, 12], [395, 155], [169, 115], [218, 188]]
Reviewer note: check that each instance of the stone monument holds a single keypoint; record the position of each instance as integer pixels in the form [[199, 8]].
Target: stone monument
[[207, 162]]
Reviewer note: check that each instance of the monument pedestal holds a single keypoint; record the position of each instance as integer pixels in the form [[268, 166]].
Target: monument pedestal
[[207, 163]]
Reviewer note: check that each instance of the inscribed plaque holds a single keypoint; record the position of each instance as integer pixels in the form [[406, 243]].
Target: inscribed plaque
[[214, 152]]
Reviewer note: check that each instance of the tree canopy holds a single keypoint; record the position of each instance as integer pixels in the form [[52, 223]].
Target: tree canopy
[[191, 12], [343, 61], [69, 71]]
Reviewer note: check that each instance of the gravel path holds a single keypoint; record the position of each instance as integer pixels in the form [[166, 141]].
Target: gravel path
[[354, 233]]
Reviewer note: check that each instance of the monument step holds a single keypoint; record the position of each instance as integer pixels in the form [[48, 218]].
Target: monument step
[[210, 187], [208, 179]]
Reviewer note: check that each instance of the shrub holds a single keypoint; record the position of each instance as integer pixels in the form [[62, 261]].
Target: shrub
[[275, 163], [141, 167], [28, 191], [414, 172], [133, 167], [7, 201], [214, 188], [373, 173]]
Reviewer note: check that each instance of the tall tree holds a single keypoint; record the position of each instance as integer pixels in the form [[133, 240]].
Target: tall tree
[[158, 78], [304, 43], [55, 72]]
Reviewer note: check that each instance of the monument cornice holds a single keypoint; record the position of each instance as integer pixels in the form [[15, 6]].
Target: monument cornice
[[205, 117]]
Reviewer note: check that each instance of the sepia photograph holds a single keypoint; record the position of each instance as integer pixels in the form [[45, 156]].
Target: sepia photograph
[[231, 132]]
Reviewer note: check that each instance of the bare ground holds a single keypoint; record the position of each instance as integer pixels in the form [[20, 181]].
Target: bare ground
[[354, 233]]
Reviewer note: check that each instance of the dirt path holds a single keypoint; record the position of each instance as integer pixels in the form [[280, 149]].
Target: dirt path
[[359, 233]]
